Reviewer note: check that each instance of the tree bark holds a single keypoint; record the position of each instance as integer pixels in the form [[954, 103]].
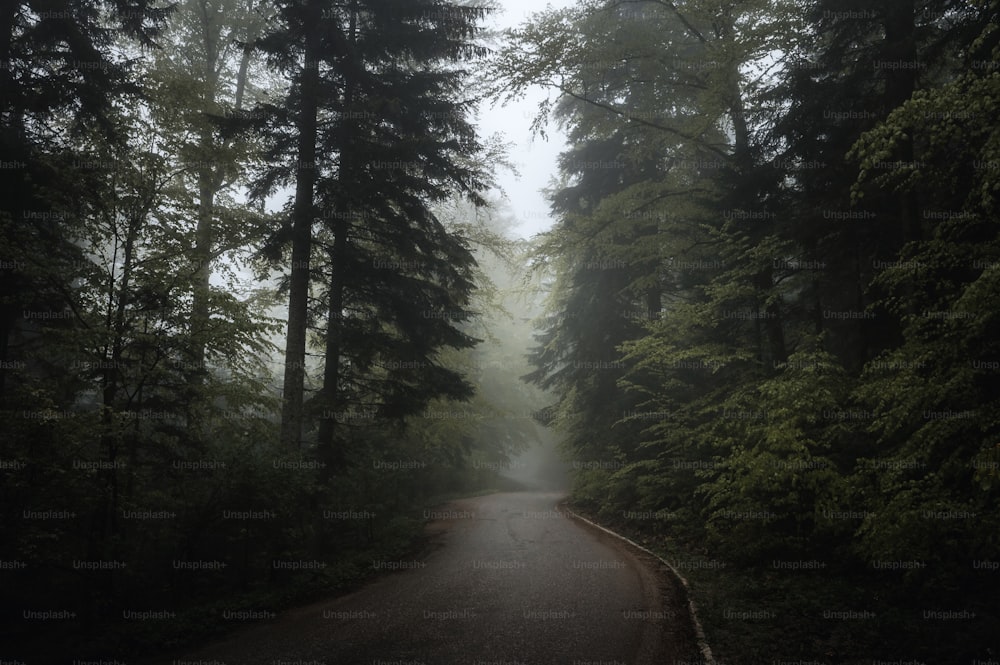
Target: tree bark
[[292, 414], [331, 370]]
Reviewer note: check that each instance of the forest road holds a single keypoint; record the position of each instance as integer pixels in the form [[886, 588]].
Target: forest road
[[511, 580]]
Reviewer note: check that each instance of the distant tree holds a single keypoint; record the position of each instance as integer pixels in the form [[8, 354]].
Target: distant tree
[[201, 79]]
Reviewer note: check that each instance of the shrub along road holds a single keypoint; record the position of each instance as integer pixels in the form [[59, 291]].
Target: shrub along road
[[510, 579]]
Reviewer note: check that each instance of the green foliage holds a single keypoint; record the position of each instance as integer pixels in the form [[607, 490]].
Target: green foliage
[[137, 391], [811, 237], [778, 455]]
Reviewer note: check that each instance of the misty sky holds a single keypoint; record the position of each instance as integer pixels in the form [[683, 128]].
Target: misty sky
[[534, 156]]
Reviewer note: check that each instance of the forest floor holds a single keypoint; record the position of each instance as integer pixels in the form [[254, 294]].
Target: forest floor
[[823, 614]]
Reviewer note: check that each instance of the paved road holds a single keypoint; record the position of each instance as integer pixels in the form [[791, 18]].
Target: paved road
[[512, 581]]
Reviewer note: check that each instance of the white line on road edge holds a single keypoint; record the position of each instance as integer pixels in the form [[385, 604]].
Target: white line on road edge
[[706, 651]]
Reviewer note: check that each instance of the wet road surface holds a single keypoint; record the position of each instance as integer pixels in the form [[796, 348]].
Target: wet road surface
[[511, 581]]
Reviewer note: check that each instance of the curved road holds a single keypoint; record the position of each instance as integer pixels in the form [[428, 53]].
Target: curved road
[[512, 581]]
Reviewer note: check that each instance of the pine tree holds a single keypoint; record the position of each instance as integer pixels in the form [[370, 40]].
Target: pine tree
[[393, 140]]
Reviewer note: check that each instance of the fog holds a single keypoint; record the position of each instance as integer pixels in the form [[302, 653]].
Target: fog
[[540, 467]]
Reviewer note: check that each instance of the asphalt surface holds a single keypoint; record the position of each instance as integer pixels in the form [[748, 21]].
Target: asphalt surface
[[511, 581]]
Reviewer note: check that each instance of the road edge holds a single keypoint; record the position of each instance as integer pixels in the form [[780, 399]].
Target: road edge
[[706, 651]]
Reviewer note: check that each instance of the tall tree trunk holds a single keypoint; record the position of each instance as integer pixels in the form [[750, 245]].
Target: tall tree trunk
[[331, 370], [202, 255], [210, 181], [292, 413]]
